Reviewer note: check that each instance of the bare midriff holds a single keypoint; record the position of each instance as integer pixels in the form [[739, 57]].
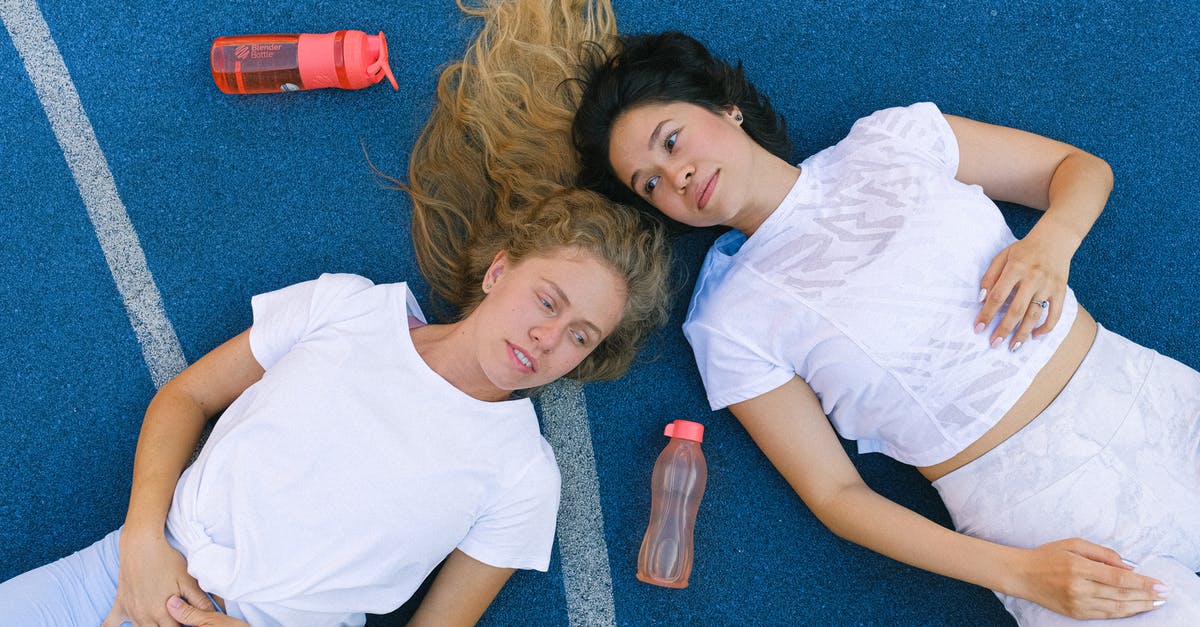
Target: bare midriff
[[1050, 380]]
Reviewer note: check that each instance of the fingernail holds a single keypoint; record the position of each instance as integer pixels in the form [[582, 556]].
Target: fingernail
[[979, 327], [996, 341], [1130, 563], [174, 601], [1158, 603], [1015, 347], [1162, 589], [982, 294]]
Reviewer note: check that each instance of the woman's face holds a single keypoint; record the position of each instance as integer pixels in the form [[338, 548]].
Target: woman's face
[[541, 317], [691, 163]]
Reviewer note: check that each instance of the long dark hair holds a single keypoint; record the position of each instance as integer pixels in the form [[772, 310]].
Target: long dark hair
[[661, 68]]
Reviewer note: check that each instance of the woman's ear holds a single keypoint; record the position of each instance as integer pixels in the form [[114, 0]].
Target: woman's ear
[[735, 114], [495, 271]]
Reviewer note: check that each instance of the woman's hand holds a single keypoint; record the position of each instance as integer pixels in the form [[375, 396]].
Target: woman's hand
[[151, 570], [1085, 580], [196, 617], [1068, 184], [1031, 271]]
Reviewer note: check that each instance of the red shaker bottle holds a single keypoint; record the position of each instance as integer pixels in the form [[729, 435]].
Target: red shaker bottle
[[675, 492], [269, 64]]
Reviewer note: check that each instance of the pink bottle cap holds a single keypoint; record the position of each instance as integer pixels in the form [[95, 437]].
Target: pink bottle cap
[[685, 429], [349, 59]]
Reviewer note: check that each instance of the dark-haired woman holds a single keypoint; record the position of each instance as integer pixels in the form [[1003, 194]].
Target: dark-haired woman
[[875, 291]]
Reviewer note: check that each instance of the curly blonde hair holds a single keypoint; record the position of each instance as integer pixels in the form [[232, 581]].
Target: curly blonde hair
[[494, 169]]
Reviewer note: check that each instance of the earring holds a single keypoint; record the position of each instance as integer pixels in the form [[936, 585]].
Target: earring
[[738, 117], [487, 286]]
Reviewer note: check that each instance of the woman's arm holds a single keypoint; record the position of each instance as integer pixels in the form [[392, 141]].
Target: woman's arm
[[1071, 577], [1068, 184], [151, 571], [460, 593]]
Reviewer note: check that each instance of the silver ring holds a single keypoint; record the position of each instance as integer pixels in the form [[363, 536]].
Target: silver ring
[[1044, 304]]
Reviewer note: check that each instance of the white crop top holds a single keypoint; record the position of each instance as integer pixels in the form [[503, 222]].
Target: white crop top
[[865, 283]]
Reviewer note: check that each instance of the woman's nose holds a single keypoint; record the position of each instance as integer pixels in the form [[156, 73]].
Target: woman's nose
[[680, 174], [548, 335]]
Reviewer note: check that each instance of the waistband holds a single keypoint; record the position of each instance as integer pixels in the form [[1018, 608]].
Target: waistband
[[1075, 427]]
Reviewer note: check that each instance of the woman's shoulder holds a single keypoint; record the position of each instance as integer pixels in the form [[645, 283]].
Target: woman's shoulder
[[917, 131], [347, 288], [899, 119], [732, 287], [343, 282]]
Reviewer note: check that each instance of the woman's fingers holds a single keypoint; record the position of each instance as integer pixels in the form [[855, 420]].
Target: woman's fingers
[[187, 614], [1120, 584], [995, 298], [1025, 274], [1034, 300], [1024, 311], [1124, 593], [1096, 553], [1022, 314], [1035, 311], [194, 595], [1085, 580], [1117, 591], [1106, 608], [1053, 313], [992, 274]]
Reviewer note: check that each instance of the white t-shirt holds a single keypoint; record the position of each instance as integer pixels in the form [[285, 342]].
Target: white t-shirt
[[865, 283], [335, 484]]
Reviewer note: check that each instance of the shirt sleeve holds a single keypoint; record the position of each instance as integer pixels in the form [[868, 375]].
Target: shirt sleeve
[[731, 370], [919, 131], [518, 530], [285, 316]]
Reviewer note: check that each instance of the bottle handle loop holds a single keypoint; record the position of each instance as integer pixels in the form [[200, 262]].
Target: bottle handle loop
[[381, 63]]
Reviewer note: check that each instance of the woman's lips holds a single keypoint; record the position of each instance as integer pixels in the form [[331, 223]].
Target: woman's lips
[[521, 359], [707, 192]]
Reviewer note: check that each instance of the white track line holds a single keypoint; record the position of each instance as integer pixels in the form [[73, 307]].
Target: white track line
[[586, 575], [126, 261]]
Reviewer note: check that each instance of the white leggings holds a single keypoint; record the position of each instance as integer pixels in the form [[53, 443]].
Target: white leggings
[[1115, 460], [76, 590]]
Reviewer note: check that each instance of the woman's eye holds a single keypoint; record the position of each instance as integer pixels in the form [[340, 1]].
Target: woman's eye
[[651, 183], [669, 143], [547, 304], [580, 339]]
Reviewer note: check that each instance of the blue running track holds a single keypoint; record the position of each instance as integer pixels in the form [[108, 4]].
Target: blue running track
[[140, 209]]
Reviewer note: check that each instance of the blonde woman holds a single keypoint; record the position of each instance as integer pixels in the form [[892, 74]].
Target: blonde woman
[[359, 447]]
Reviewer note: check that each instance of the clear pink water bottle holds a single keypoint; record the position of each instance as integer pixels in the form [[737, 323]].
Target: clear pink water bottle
[[270, 64], [675, 492]]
